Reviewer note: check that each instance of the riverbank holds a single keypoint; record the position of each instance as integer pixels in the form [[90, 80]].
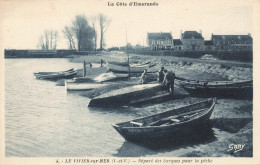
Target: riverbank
[[187, 67], [231, 119]]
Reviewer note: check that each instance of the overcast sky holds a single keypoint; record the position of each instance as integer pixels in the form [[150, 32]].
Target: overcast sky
[[22, 22]]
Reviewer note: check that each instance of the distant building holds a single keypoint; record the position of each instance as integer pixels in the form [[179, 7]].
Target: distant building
[[192, 40], [160, 41], [209, 45], [177, 44], [232, 42]]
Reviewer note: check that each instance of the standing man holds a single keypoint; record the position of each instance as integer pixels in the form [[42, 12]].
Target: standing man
[[101, 63], [169, 80], [160, 75], [144, 77]]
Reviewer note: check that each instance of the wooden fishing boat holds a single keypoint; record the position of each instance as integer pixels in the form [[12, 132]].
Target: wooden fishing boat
[[126, 95], [120, 63], [133, 69], [174, 123], [215, 83], [110, 76], [56, 75], [125, 63], [241, 89], [47, 73], [74, 86], [88, 83]]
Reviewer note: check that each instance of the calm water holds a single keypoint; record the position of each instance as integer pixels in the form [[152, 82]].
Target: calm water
[[43, 120]]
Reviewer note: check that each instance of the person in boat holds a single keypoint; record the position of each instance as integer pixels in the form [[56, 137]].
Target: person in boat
[[144, 77], [160, 75], [169, 80]]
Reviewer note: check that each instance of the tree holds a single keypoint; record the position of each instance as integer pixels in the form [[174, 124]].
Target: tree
[[93, 20], [41, 44], [81, 32], [69, 35], [46, 35], [104, 23], [56, 36], [48, 40]]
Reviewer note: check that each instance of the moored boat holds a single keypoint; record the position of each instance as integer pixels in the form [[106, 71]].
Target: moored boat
[[176, 122], [124, 96], [121, 63], [133, 69], [56, 75], [88, 83], [126, 64], [240, 89], [109, 77], [47, 73], [73, 86]]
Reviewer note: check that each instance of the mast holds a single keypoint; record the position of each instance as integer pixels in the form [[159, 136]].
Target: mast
[[127, 54]]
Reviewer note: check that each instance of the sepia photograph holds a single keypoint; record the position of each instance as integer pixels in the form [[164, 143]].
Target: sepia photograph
[[129, 82]]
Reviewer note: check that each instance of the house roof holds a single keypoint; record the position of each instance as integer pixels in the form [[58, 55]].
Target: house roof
[[177, 42], [159, 36], [232, 37], [191, 34], [208, 42]]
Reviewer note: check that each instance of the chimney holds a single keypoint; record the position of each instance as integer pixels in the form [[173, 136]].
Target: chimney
[[249, 34], [201, 32], [181, 35]]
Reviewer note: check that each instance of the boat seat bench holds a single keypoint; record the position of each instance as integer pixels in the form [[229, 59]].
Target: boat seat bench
[[136, 124]]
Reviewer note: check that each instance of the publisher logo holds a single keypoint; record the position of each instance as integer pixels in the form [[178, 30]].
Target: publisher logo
[[236, 147]]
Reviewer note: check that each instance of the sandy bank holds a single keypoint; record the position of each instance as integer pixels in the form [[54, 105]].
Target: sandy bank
[[231, 119], [193, 68]]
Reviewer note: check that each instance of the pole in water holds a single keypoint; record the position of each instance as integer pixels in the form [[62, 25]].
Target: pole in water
[[84, 68]]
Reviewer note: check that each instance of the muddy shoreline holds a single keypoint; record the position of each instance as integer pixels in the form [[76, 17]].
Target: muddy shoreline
[[231, 119]]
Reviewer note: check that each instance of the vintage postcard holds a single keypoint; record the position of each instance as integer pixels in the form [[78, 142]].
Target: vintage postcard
[[129, 82]]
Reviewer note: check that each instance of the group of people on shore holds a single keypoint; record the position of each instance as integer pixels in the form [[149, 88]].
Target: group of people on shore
[[163, 76]]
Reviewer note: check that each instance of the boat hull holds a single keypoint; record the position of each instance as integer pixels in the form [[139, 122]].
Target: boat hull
[[48, 73], [55, 76], [110, 77], [126, 95], [243, 89], [125, 69], [154, 133], [72, 86]]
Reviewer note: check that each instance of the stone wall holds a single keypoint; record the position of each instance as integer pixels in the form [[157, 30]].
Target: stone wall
[[221, 55]]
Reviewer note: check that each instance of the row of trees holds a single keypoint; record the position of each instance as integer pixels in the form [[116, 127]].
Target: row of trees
[[48, 40], [82, 36]]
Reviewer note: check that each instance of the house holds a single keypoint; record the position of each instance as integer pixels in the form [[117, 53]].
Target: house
[[177, 44], [160, 41], [209, 45], [192, 40], [232, 42]]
